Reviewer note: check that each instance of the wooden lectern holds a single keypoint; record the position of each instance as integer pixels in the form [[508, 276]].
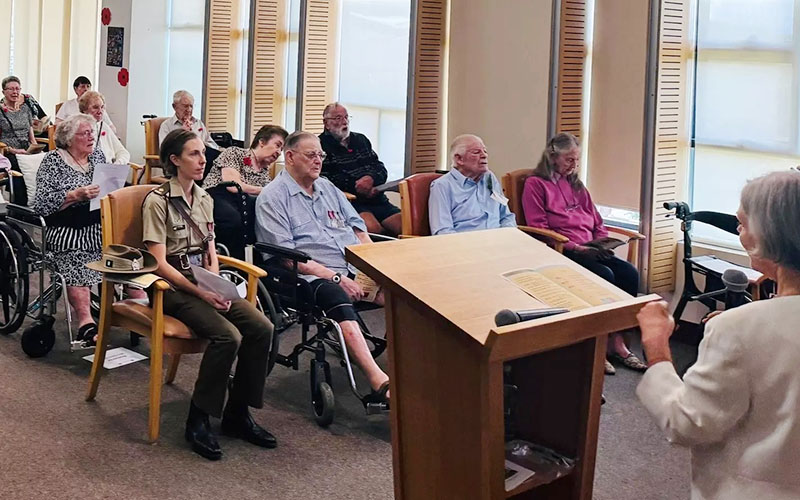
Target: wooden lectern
[[446, 364]]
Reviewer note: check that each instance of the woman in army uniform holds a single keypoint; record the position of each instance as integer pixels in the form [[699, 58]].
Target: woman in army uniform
[[178, 229]]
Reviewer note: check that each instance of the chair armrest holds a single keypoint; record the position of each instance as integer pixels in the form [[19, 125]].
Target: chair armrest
[[548, 233], [283, 252], [135, 166], [152, 157], [634, 235], [349, 196], [43, 140], [407, 236], [242, 266]]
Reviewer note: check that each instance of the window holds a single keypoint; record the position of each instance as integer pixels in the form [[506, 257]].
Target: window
[[292, 48], [373, 74], [746, 101]]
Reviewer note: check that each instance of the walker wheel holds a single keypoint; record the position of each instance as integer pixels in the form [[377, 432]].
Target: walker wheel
[[38, 339], [324, 404]]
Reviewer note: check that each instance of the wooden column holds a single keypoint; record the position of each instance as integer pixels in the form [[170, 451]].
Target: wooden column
[[671, 145], [427, 77]]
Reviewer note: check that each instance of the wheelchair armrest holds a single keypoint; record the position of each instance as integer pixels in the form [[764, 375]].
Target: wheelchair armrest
[[380, 237], [24, 213], [283, 252]]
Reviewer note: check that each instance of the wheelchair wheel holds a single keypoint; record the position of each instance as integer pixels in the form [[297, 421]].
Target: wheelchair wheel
[[39, 338], [14, 286], [265, 305], [324, 404]]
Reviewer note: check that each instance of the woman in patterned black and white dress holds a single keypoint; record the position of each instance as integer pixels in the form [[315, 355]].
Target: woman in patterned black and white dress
[[63, 190], [250, 169]]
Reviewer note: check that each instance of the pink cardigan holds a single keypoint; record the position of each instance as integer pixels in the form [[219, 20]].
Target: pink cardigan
[[555, 205]]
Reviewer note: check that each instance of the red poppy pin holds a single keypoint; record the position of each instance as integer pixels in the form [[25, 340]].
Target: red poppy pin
[[105, 16], [123, 77], [103, 133], [247, 161], [200, 129]]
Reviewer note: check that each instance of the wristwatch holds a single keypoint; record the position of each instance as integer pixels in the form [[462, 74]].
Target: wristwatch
[[337, 278]]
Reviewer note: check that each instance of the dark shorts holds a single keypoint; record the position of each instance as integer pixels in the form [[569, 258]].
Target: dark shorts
[[380, 207], [324, 294], [332, 299]]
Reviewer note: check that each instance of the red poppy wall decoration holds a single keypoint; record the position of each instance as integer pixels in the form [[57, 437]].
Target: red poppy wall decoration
[[123, 77], [105, 16]]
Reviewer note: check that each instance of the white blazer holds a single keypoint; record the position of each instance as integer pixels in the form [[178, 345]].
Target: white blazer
[[738, 407], [109, 143]]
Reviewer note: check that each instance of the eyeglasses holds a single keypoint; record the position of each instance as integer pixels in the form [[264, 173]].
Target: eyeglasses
[[12, 89], [86, 133], [339, 118], [314, 154]]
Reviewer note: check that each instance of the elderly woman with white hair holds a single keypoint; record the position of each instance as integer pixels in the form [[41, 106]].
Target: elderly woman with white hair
[[738, 407], [94, 104], [63, 190]]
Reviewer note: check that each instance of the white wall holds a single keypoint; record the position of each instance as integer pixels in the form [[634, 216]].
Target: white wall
[[116, 95], [147, 92], [499, 77]]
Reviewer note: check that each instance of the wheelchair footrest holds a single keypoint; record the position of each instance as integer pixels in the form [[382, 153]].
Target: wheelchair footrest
[[376, 408]]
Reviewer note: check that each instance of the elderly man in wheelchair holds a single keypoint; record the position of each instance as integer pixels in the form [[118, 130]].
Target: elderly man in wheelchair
[[303, 223]]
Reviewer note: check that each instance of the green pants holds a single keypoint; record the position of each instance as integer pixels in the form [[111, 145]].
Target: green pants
[[242, 331]]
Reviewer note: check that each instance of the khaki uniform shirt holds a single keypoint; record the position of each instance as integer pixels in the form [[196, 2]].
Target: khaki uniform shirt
[[162, 223]]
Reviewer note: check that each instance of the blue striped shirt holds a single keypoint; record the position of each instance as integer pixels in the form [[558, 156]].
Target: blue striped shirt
[[321, 225]]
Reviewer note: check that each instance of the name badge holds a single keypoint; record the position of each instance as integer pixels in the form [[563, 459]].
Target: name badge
[[499, 198], [177, 227]]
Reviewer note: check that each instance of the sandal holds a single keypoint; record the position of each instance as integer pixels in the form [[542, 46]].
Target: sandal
[[87, 334], [632, 361], [609, 368], [379, 395]]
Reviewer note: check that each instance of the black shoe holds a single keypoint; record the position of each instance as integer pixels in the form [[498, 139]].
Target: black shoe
[[198, 433], [242, 425]]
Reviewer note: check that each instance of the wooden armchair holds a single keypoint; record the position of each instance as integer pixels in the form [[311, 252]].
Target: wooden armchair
[[414, 192], [121, 219], [50, 140], [151, 148], [514, 182]]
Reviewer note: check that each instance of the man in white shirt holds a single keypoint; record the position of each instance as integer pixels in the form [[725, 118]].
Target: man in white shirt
[[70, 108], [183, 104]]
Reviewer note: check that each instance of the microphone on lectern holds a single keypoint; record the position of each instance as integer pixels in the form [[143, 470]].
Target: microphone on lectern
[[509, 317]]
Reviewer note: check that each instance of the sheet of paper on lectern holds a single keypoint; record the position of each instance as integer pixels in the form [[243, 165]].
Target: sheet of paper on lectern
[[119, 356], [561, 286]]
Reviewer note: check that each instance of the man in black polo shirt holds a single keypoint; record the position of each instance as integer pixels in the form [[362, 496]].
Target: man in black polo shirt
[[354, 168]]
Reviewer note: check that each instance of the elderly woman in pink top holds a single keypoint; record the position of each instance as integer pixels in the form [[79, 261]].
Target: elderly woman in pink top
[[555, 198]]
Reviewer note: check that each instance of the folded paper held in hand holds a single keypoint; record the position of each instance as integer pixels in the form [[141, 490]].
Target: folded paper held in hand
[[369, 286], [211, 282], [109, 177]]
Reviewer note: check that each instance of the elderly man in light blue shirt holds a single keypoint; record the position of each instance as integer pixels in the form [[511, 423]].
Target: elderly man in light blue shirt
[[303, 211], [469, 197]]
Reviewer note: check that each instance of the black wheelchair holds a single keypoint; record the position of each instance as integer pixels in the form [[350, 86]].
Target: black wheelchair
[[24, 253], [282, 296]]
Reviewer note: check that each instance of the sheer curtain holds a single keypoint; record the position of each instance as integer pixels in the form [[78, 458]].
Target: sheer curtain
[[48, 47], [746, 110]]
